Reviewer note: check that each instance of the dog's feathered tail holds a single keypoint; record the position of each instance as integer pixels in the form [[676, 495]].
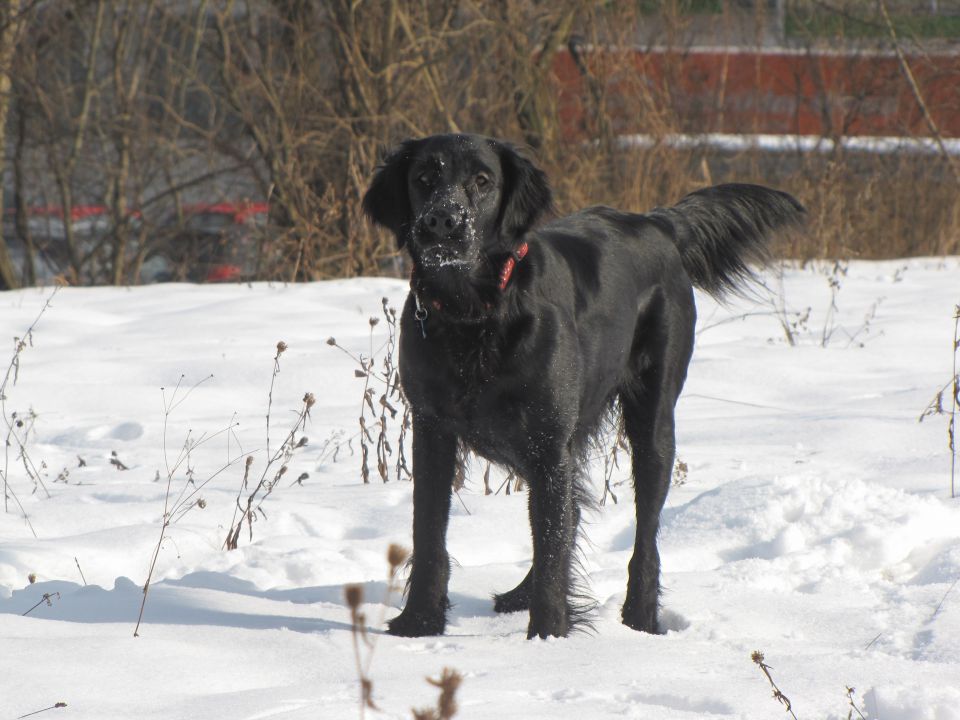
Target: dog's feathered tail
[[721, 230]]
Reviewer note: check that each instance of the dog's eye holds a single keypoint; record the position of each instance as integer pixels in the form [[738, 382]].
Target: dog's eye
[[425, 178], [482, 181]]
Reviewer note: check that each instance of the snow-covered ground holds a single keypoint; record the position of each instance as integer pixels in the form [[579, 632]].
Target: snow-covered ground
[[814, 522]]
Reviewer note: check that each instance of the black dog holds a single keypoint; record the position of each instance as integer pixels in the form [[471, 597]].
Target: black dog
[[517, 342]]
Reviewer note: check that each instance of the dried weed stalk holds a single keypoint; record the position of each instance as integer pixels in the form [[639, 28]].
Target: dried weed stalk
[[853, 705], [80, 570], [835, 276], [611, 462], [175, 507], [47, 598], [936, 406], [778, 695], [247, 511], [376, 414], [792, 322], [363, 644], [18, 427], [512, 479], [795, 324], [55, 706], [680, 473], [448, 682]]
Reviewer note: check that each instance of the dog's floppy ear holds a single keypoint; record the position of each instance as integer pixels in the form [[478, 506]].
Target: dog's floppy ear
[[386, 201], [526, 193]]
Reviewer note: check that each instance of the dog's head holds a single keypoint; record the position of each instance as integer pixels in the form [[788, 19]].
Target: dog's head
[[453, 200]]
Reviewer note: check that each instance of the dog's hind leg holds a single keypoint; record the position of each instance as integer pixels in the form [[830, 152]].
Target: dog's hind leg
[[649, 425], [663, 350]]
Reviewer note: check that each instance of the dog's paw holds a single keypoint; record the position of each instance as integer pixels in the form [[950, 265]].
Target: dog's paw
[[410, 623], [642, 619], [548, 622]]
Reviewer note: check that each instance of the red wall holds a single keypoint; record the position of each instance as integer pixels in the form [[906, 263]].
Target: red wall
[[731, 91]]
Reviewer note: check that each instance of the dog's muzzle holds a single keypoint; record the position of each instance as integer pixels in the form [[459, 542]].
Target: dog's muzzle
[[443, 221]]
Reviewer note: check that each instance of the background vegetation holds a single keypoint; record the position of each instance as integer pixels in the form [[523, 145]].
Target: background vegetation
[[145, 107]]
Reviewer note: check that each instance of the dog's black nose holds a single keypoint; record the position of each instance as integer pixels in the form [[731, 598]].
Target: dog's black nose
[[441, 222]]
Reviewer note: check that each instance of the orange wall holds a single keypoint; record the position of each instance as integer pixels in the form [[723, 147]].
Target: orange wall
[[731, 91]]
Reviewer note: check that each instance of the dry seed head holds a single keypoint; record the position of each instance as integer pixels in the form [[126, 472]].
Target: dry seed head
[[309, 400], [396, 556], [353, 594], [249, 460], [448, 683], [281, 346], [32, 577]]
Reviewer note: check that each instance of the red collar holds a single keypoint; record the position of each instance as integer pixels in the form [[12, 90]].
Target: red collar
[[505, 273], [511, 262]]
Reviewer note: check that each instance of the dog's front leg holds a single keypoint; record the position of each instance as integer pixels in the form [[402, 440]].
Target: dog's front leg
[[552, 521], [434, 464]]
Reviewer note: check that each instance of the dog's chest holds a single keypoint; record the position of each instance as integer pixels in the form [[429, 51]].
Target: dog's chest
[[463, 379]]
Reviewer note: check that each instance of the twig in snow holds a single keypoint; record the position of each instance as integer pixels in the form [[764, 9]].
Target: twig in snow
[[37, 712], [853, 705], [116, 462], [47, 598], [778, 695], [944, 598]]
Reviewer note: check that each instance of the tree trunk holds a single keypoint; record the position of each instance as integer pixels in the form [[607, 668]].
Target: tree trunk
[[10, 22]]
